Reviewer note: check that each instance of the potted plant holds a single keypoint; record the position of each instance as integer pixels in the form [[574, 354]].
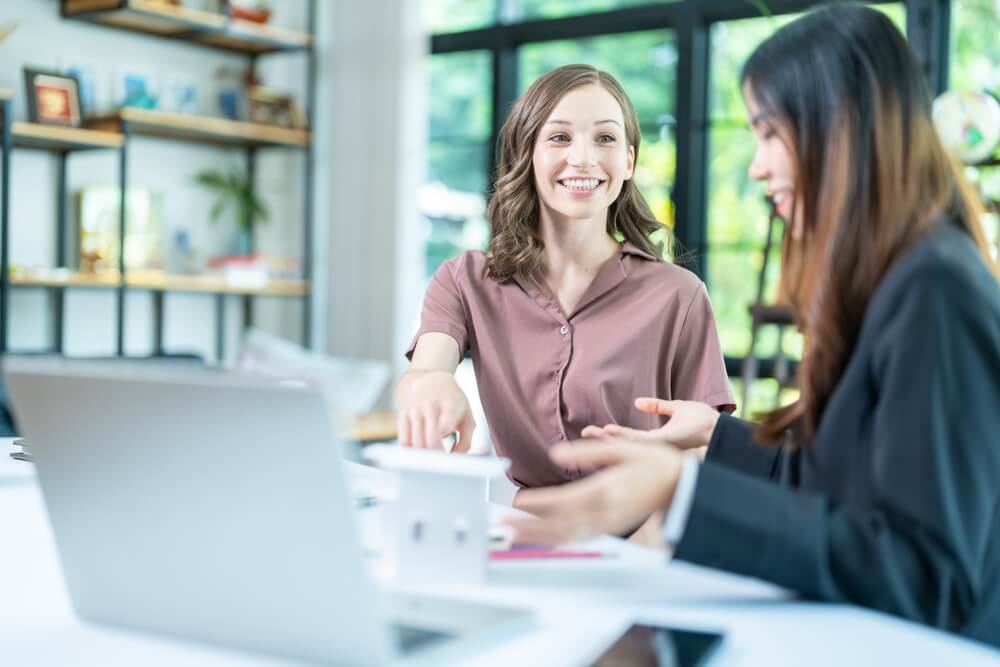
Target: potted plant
[[235, 190]]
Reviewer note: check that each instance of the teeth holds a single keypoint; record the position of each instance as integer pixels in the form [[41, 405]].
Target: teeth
[[580, 183], [779, 197]]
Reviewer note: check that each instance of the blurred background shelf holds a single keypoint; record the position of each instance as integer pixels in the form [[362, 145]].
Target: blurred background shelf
[[201, 129], [156, 281], [64, 278], [211, 284], [210, 29], [56, 138]]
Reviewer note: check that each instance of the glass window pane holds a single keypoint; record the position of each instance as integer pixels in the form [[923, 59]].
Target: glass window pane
[[975, 65], [764, 396], [645, 63], [975, 45], [549, 9], [443, 16], [453, 199]]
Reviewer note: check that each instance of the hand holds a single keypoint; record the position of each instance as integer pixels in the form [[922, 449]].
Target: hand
[[431, 407], [636, 481], [690, 424]]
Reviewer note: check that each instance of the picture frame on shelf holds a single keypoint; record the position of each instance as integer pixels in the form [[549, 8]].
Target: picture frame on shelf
[[53, 98], [86, 76], [268, 107]]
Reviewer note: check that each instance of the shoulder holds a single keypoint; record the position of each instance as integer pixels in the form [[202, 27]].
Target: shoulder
[[665, 278], [464, 268], [943, 264]]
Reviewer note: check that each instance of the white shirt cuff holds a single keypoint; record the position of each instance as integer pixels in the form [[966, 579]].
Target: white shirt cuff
[[680, 507]]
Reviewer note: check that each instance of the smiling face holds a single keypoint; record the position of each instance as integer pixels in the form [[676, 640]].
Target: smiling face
[[773, 164], [581, 156]]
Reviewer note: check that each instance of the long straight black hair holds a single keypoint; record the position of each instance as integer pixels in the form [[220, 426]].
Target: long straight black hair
[[843, 89]]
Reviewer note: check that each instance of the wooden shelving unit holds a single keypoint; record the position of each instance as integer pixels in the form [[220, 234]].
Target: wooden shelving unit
[[116, 132], [200, 129], [155, 281], [64, 278], [211, 284], [210, 29], [55, 138]]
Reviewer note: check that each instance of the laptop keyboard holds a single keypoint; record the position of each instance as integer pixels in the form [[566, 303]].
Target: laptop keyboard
[[409, 637]]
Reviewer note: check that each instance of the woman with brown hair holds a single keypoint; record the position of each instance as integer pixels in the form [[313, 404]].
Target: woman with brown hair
[[571, 311], [880, 485]]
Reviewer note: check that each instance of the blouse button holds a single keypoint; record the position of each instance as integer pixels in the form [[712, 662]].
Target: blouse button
[[564, 330]]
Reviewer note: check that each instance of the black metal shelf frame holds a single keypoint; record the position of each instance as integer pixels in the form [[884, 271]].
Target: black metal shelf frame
[[158, 295]]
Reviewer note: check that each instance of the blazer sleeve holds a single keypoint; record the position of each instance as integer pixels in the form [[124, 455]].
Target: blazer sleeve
[[732, 445], [920, 547]]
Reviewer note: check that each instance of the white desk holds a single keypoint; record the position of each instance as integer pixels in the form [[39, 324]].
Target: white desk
[[581, 607]]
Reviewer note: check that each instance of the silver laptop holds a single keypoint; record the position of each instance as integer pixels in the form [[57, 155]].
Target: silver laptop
[[199, 505]]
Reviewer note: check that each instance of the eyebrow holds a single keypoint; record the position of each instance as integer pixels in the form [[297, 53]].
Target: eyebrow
[[566, 122]]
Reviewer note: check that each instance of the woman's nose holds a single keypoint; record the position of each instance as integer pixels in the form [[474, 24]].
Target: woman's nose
[[580, 154], [757, 170]]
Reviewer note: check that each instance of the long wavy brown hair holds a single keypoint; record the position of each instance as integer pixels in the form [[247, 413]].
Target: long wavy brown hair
[[846, 94], [515, 247]]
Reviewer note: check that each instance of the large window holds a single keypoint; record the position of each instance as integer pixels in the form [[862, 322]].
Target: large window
[[453, 197], [550, 9], [443, 16], [975, 65]]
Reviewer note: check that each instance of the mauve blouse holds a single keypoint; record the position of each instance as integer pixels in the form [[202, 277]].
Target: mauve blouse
[[642, 328]]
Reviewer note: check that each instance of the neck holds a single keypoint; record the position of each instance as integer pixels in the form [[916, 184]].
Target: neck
[[574, 246]]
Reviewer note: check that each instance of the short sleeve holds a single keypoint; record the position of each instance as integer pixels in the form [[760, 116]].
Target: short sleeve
[[443, 310], [699, 371]]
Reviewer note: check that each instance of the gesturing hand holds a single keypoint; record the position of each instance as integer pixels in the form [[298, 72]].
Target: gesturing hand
[[431, 407], [689, 426], [636, 480]]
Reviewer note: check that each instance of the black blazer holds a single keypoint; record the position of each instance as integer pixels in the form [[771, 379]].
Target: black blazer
[[895, 505]]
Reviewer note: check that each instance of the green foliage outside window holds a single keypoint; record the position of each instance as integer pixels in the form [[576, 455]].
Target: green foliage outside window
[[975, 65]]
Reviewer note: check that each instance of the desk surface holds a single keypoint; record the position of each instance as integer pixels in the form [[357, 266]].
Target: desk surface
[[581, 607], [379, 426]]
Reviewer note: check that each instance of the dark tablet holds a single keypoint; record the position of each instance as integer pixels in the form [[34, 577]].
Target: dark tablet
[[657, 646]]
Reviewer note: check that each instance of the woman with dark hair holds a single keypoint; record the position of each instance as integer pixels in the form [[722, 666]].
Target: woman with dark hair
[[880, 485], [571, 311]]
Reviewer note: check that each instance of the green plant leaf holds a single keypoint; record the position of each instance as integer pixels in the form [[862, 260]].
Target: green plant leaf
[[260, 210], [218, 208], [213, 179]]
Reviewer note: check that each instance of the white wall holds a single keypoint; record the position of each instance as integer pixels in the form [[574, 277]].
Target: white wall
[[44, 40], [371, 164]]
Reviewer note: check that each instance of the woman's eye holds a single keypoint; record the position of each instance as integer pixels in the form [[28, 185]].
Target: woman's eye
[[606, 139], [559, 137]]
